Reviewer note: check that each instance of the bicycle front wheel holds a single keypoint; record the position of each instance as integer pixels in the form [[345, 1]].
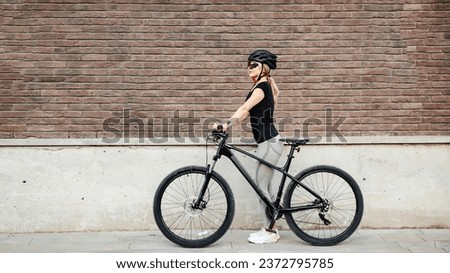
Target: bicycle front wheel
[[180, 220], [341, 213]]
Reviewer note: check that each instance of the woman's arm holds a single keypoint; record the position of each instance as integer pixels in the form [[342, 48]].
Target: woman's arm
[[243, 112]]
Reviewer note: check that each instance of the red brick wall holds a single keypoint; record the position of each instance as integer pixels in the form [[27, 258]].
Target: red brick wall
[[71, 69]]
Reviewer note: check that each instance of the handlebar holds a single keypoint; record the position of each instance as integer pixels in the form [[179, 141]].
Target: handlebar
[[219, 133]]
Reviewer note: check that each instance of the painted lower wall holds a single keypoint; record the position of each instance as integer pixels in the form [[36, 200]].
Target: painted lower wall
[[58, 187]]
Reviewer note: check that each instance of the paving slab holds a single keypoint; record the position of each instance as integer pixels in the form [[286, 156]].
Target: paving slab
[[234, 241]]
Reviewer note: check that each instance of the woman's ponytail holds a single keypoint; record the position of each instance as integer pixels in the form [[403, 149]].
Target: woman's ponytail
[[275, 90]]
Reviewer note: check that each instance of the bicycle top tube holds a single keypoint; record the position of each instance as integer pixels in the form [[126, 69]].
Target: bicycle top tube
[[293, 142], [226, 149]]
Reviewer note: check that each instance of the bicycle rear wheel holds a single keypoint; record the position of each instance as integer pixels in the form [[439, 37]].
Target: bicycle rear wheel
[[176, 215], [334, 222]]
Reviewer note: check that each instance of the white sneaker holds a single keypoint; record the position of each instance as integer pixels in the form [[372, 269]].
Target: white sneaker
[[258, 233], [264, 237]]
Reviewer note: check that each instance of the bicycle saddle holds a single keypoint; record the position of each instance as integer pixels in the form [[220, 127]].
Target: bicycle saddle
[[295, 141]]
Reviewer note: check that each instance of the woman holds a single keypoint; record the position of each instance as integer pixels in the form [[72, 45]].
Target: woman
[[260, 105]]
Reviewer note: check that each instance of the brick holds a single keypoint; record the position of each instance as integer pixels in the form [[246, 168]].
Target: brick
[[79, 63], [41, 128]]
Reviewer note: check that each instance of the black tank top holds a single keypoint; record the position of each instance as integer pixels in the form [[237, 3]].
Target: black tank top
[[261, 115]]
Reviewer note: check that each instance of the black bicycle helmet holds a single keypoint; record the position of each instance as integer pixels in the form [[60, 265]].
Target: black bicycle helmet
[[265, 57]]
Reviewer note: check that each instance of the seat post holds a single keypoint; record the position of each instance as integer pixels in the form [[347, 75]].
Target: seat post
[[294, 143], [290, 157]]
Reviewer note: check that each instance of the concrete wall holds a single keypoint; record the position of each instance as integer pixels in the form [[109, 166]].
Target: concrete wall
[[75, 186]]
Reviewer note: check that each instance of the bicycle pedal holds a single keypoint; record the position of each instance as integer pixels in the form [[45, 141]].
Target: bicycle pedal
[[271, 230]]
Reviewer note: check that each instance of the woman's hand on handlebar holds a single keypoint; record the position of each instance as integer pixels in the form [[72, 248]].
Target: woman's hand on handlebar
[[220, 127]]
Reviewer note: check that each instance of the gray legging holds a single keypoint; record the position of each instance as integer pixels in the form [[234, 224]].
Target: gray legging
[[270, 151]]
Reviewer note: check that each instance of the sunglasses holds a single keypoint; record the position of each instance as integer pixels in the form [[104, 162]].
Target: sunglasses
[[252, 65]]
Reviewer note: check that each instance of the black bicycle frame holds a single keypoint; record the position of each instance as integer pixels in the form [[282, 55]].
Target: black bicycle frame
[[226, 150]]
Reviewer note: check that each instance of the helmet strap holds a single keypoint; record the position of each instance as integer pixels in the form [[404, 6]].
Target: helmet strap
[[261, 74]]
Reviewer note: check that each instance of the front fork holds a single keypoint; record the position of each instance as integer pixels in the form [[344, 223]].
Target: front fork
[[199, 203]]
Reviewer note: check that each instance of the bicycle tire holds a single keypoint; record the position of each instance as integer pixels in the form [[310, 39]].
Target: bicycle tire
[[179, 221], [344, 213]]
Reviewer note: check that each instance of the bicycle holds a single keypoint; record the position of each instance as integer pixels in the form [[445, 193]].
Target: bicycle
[[194, 205]]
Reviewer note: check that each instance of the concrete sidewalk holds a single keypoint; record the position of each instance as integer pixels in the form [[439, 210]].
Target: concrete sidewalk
[[234, 241]]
